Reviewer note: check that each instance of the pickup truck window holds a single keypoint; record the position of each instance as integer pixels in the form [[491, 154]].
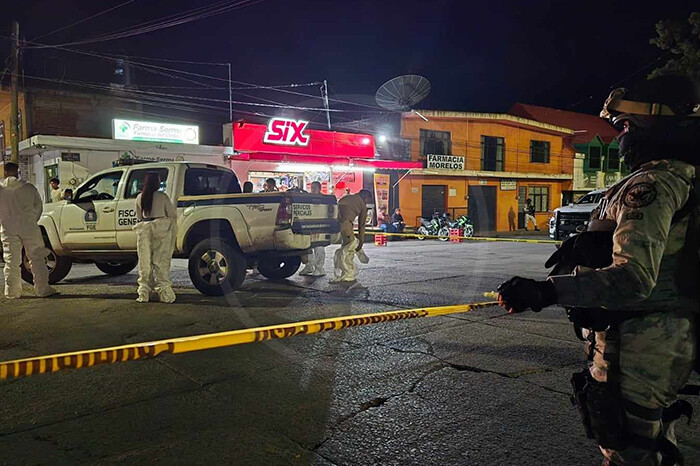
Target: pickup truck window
[[590, 199], [101, 188], [208, 181], [136, 178]]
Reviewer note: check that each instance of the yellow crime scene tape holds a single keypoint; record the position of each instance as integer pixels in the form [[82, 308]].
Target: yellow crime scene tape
[[147, 350], [469, 238]]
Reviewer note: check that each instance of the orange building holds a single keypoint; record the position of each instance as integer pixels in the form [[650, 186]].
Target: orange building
[[485, 165]]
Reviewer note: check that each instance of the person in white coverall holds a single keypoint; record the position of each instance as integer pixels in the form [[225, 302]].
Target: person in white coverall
[[20, 210], [314, 262], [155, 240], [350, 207]]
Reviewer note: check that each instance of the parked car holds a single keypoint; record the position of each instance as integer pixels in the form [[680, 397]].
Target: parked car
[[566, 219], [221, 231]]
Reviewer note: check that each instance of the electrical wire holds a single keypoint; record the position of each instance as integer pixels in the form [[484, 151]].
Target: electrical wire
[[84, 19], [168, 21], [249, 85]]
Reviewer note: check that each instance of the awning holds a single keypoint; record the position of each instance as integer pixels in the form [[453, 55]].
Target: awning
[[327, 161]]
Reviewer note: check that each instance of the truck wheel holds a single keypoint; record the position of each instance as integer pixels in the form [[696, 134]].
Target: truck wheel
[[59, 267], [216, 268], [116, 268], [277, 268]]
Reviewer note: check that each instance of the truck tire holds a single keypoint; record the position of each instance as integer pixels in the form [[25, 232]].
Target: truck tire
[[116, 268], [278, 268], [215, 268], [59, 267]]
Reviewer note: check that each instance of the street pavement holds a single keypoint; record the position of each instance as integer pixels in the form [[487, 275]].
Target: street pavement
[[480, 388]]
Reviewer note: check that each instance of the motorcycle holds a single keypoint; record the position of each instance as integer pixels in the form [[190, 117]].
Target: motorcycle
[[433, 227], [466, 224], [462, 222]]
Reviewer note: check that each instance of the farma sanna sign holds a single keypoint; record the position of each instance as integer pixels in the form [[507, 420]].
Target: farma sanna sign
[[131, 130]]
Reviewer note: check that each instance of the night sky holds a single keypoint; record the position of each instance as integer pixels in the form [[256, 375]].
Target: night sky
[[479, 56]]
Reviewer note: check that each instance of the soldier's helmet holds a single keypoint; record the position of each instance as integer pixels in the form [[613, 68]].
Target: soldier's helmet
[[665, 97]]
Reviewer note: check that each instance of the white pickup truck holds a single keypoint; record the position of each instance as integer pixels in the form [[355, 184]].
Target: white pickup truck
[[221, 231]]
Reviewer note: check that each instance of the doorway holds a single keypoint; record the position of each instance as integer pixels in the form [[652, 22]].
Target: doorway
[[522, 197], [482, 208], [433, 200], [50, 172]]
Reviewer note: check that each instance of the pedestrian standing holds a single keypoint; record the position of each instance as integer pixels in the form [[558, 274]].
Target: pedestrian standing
[[20, 210], [56, 193], [529, 210], [632, 290], [155, 240], [270, 186], [247, 187], [314, 262], [350, 208]]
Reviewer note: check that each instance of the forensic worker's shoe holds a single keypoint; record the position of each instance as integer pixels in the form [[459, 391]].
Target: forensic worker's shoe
[[47, 293], [318, 273], [307, 270], [143, 298], [167, 296]]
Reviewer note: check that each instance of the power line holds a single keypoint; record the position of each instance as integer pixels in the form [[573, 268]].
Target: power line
[[85, 19], [168, 21], [249, 85]]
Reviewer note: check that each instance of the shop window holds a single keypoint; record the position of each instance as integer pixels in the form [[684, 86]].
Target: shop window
[[208, 181], [594, 162], [540, 198], [492, 153], [539, 151], [435, 142], [613, 159], [136, 180]]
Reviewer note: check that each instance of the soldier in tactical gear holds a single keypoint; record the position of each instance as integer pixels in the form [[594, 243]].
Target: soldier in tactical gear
[[630, 282]]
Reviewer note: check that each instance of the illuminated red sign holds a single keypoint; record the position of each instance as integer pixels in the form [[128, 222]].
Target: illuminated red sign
[[285, 132], [282, 137]]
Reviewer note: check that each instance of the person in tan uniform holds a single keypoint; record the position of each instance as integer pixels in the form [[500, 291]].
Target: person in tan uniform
[[350, 207], [632, 292]]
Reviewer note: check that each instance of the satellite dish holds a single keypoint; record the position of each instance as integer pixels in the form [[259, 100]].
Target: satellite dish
[[403, 92]]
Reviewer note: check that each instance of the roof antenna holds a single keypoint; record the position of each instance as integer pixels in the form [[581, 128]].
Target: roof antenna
[[401, 93]]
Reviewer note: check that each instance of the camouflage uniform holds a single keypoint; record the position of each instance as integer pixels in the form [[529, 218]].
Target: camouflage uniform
[[656, 350]]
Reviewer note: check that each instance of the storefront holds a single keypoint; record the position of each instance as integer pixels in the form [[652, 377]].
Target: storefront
[[73, 159], [295, 156]]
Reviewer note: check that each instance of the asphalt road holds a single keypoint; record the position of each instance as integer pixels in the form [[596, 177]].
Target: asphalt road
[[482, 388]]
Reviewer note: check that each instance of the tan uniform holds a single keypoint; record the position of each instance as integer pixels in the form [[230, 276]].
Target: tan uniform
[[656, 349], [350, 207]]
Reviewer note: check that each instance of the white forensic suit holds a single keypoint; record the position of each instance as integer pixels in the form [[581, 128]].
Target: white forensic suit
[[56, 195], [314, 262], [155, 242], [350, 207], [20, 210]]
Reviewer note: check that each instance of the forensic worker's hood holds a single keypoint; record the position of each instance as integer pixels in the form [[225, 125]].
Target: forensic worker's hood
[[12, 183]]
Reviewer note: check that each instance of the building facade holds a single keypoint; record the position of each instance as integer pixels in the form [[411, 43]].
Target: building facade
[[485, 165], [597, 164]]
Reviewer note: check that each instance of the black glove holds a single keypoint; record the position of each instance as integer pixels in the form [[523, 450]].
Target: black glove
[[519, 294]]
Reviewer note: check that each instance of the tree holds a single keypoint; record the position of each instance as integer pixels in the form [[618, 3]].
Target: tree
[[681, 40]]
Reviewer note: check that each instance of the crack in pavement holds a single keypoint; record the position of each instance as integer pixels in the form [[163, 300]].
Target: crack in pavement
[[479, 370], [375, 402]]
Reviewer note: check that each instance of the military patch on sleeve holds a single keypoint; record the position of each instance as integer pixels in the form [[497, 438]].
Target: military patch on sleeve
[[639, 195], [634, 216]]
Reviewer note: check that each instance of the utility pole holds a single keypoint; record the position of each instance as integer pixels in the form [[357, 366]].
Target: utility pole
[[14, 110], [230, 96], [324, 94]]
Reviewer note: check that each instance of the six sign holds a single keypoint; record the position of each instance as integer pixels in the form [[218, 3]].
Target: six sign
[[286, 132]]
